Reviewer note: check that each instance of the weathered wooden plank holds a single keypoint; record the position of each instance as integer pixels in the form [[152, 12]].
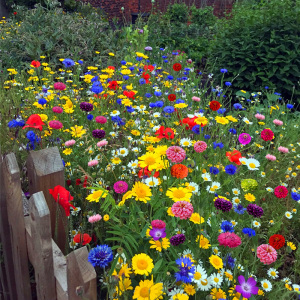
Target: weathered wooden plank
[[13, 196], [45, 171], [42, 247], [81, 274]]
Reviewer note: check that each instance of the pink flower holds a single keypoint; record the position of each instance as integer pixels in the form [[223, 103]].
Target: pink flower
[[200, 146], [270, 157], [196, 99], [278, 122], [229, 239], [120, 187], [283, 149], [59, 86], [57, 109], [259, 117], [94, 218], [182, 209], [93, 163], [70, 143], [102, 143], [244, 138], [266, 253], [267, 135], [158, 224], [55, 124], [281, 191], [101, 119], [175, 154]]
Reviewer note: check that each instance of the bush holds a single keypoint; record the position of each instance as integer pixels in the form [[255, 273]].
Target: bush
[[260, 43]]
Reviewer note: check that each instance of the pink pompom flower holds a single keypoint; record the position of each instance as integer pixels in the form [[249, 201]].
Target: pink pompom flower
[[200, 146], [59, 86], [182, 209], [94, 218], [244, 138], [102, 143], [101, 119], [57, 110], [266, 253], [229, 239], [70, 143], [120, 187], [278, 122], [93, 163], [158, 224], [270, 157], [259, 117], [55, 124], [175, 154], [281, 191], [196, 99], [267, 135], [283, 149]]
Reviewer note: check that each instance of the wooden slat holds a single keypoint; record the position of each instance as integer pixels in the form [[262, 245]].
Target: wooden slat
[[18, 248], [41, 240], [81, 274], [45, 171]]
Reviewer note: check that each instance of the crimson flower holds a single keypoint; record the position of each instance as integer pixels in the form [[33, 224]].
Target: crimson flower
[[277, 241], [234, 156], [172, 97], [129, 94], [82, 239], [35, 63], [146, 76], [177, 67], [163, 132], [145, 172], [214, 105], [149, 68], [113, 85], [34, 121]]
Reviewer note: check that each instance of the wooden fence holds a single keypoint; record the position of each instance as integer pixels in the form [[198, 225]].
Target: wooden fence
[[27, 235]]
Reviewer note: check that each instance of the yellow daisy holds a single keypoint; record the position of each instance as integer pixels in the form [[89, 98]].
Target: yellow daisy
[[142, 264], [179, 194]]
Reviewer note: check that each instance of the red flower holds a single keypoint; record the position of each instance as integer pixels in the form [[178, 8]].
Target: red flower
[[129, 94], [34, 121], [111, 67], [190, 123], [163, 132], [85, 182], [234, 156], [267, 134], [214, 105], [69, 182], [113, 85], [281, 191], [277, 241], [149, 68], [78, 181], [82, 239], [15, 12], [35, 63], [172, 97], [145, 172], [177, 67], [146, 76], [62, 196], [179, 171]]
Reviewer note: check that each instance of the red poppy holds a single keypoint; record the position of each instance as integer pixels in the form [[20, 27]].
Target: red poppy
[[172, 97], [163, 132], [113, 85], [214, 105], [145, 172], [177, 67], [111, 67], [146, 76], [150, 68], [15, 12], [190, 122], [82, 239], [277, 241], [129, 94], [34, 121], [35, 63], [63, 197], [234, 156]]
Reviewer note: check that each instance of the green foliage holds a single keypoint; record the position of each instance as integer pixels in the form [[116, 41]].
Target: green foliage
[[260, 42]]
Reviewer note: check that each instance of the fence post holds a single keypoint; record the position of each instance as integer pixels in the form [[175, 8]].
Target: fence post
[[13, 196], [45, 171], [41, 247], [81, 275]]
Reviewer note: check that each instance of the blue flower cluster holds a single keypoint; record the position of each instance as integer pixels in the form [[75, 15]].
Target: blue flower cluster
[[16, 123], [186, 270], [100, 256]]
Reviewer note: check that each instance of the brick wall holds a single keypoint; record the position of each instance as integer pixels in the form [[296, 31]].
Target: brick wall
[[113, 7]]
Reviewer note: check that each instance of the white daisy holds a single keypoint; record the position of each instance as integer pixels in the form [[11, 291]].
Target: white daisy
[[156, 115], [252, 164], [247, 121], [266, 285], [273, 273], [269, 189], [288, 214], [240, 268], [204, 285], [133, 164], [236, 200], [296, 287], [206, 177], [185, 142], [193, 187], [233, 222], [256, 224], [151, 181], [216, 251], [216, 280], [243, 160], [236, 192], [286, 280], [123, 152], [114, 113], [214, 186]]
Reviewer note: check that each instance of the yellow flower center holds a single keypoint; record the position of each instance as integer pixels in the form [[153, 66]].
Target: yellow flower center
[[179, 194], [140, 192], [204, 282], [265, 285], [273, 273], [216, 279], [144, 292], [142, 264], [252, 165], [150, 161], [197, 275]]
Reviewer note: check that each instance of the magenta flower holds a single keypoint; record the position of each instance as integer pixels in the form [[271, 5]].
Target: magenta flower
[[54, 124], [158, 233], [120, 187], [246, 288], [244, 138]]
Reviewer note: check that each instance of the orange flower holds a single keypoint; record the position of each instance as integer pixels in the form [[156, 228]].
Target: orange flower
[[179, 171]]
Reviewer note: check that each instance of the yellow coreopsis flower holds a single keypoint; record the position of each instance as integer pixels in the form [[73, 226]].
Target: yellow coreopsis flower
[[203, 242], [221, 120], [77, 131], [216, 261]]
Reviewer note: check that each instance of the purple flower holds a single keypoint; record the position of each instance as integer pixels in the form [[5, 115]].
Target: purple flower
[[86, 106], [157, 233], [98, 133], [223, 204], [177, 239], [148, 48], [244, 138], [255, 210], [246, 288]]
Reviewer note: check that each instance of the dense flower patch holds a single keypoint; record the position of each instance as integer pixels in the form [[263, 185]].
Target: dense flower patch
[[181, 192]]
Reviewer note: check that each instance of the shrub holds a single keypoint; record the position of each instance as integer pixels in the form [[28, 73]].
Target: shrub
[[260, 42]]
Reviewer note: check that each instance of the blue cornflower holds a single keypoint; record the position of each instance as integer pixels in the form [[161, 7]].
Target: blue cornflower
[[230, 261], [161, 49], [97, 88], [223, 71], [266, 87], [100, 256], [196, 129], [239, 209], [227, 83], [237, 106], [186, 270], [148, 95], [184, 78], [152, 105], [201, 111], [179, 101], [119, 101], [232, 130], [139, 58], [125, 77], [231, 169], [124, 87], [42, 101], [227, 226], [95, 80], [179, 79], [12, 124], [220, 145], [159, 103], [68, 62], [80, 61], [142, 81], [164, 56], [131, 68], [157, 93], [221, 111], [165, 61], [289, 106], [278, 94], [118, 120], [249, 231], [130, 109], [169, 109], [123, 62], [207, 136], [214, 170], [175, 53], [170, 77], [90, 117], [30, 135], [295, 196]]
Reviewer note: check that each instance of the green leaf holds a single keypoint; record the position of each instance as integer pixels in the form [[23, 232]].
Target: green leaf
[[158, 265]]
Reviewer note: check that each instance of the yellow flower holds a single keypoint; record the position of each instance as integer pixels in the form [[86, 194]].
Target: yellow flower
[[77, 131], [147, 290], [203, 242], [196, 218], [43, 117], [218, 294], [179, 194], [291, 245], [169, 212], [124, 271], [232, 119], [142, 264], [221, 120], [189, 289], [150, 160], [201, 120], [250, 197], [180, 296], [67, 151], [216, 261], [95, 196], [111, 54], [106, 218], [159, 245], [180, 105], [116, 160], [141, 191], [124, 285]]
